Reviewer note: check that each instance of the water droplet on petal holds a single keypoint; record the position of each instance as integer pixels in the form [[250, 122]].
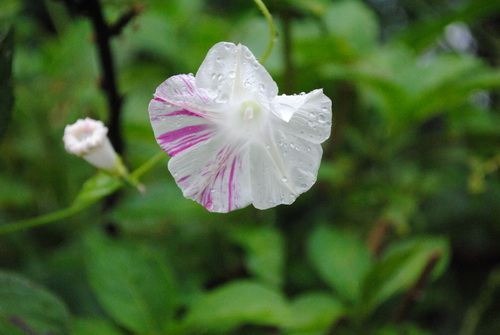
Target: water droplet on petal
[[302, 93], [309, 123], [214, 76], [312, 114], [212, 190], [247, 84], [324, 109], [262, 87], [284, 179], [220, 77], [222, 98], [268, 147], [248, 54], [209, 206], [321, 118], [231, 74], [218, 59]]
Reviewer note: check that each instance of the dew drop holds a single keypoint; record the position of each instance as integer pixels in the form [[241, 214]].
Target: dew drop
[[309, 123], [302, 93], [262, 87], [212, 190], [248, 54], [218, 59], [247, 84], [231, 74], [312, 114], [214, 76], [309, 149], [321, 118], [284, 179], [222, 99], [268, 147], [209, 206], [324, 109], [220, 77]]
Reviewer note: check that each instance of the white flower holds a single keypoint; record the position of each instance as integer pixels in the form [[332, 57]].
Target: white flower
[[232, 139], [88, 138]]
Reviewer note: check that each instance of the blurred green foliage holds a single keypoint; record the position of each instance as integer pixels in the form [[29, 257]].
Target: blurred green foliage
[[398, 236]]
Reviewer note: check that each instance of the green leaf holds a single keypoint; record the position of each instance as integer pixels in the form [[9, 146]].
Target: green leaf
[[314, 313], [94, 326], [237, 303], [28, 307], [353, 22], [341, 259], [6, 80], [97, 187], [133, 283], [401, 267], [265, 252]]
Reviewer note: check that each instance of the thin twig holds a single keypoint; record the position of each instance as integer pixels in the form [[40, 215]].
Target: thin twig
[[416, 292], [118, 26], [377, 237]]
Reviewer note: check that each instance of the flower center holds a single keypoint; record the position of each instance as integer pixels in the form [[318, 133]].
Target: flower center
[[250, 110]]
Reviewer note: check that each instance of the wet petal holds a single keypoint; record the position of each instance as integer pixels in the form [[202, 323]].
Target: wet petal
[[283, 167], [309, 115], [180, 93], [215, 175], [230, 70]]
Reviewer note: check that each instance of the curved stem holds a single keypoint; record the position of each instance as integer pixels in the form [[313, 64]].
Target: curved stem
[[78, 206], [269, 19]]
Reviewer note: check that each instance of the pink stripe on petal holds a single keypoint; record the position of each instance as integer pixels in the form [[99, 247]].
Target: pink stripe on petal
[[179, 140], [231, 185]]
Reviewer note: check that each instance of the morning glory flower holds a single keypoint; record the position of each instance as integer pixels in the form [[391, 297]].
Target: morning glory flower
[[233, 140], [88, 138]]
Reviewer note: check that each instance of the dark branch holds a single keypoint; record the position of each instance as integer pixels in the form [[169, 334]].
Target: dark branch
[[114, 99]]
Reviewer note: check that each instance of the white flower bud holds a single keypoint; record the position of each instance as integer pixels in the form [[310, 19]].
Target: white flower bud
[[88, 139]]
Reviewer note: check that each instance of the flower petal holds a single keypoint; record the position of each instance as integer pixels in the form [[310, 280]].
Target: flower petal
[[309, 116], [230, 70], [178, 115], [283, 168], [214, 175], [178, 93]]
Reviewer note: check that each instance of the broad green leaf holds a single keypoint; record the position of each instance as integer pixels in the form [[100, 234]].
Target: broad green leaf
[[265, 252], [94, 327], [341, 259], [314, 313], [6, 80], [97, 187], [133, 283], [401, 267], [353, 22], [238, 303], [29, 307]]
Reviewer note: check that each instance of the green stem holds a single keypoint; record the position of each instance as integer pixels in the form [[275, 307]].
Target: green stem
[[79, 206], [269, 19]]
